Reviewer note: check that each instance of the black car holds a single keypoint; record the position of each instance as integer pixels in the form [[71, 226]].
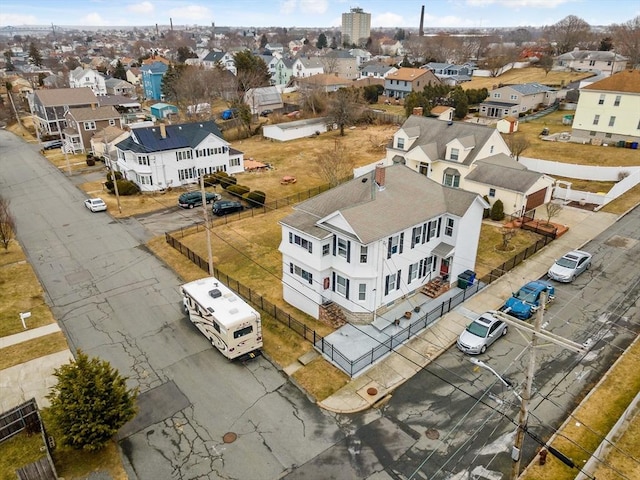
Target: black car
[[194, 199], [224, 207], [266, 112]]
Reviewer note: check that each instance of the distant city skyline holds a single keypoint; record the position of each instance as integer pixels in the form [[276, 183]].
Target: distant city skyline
[[314, 13]]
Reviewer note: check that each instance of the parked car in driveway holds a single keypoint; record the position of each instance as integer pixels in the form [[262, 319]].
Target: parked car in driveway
[[194, 199], [572, 264], [225, 207], [95, 204], [526, 301], [481, 333]]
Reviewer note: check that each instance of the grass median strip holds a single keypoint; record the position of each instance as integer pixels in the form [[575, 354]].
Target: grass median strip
[[32, 349]]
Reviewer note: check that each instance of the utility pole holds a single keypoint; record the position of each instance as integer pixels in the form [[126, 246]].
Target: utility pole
[[526, 394], [206, 223], [113, 171]]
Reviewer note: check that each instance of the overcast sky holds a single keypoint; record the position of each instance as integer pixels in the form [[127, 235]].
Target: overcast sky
[[314, 13]]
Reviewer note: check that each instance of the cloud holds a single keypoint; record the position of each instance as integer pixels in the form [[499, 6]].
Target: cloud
[[92, 19], [516, 4], [194, 13], [387, 20], [314, 7], [143, 8], [18, 19], [288, 6]]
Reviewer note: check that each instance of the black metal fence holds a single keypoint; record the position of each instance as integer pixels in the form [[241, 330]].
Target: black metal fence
[[350, 366]]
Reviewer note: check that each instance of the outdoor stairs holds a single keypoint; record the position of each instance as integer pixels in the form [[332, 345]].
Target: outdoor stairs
[[331, 314], [436, 287]]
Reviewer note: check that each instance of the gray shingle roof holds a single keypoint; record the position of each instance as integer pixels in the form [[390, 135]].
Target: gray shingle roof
[[66, 96], [439, 133], [531, 88], [408, 199], [94, 114], [503, 172]]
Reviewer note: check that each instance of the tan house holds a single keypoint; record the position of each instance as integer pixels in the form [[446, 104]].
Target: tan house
[[606, 63], [406, 80], [471, 157], [48, 107], [442, 112], [327, 82], [83, 123], [104, 141], [516, 100], [609, 110]]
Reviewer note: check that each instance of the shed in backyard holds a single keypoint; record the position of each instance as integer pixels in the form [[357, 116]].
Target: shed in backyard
[[163, 110], [297, 129]]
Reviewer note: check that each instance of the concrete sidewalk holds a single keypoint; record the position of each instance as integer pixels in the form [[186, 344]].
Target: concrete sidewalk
[[31, 379], [396, 368]]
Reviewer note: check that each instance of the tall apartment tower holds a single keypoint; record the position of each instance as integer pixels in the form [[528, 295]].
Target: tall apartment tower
[[356, 26]]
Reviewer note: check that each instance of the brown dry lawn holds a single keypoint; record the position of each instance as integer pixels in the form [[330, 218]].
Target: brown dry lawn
[[567, 152], [526, 75]]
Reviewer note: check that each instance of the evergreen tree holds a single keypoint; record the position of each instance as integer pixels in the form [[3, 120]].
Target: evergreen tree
[[169, 81], [460, 102], [251, 70], [184, 53], [9, 67], [119, 71], [263, 41], [90, 402], [322, 41], [35, 58]]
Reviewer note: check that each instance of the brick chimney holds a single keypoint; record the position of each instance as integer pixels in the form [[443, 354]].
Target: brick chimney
[[379, 177], [163, 131], [417, 111]]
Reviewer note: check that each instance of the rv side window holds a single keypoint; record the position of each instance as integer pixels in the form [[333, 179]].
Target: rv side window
[[242, 332], [216, 326]]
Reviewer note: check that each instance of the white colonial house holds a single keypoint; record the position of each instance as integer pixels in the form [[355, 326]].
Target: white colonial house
[[375, 240], [173, 155], [516, 100], [469, 156], [608, 111], [307, 66], [86, 77], [602, 62]]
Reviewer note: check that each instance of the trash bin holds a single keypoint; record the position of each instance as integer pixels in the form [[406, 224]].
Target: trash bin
[[466, 279]]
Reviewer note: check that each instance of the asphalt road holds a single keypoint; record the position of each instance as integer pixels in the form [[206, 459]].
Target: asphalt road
[[115, 300]]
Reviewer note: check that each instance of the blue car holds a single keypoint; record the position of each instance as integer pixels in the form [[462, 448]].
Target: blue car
[[526, 301]]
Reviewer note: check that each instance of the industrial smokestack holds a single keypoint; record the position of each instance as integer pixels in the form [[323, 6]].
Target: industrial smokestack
[[421, 30], [171, 23]]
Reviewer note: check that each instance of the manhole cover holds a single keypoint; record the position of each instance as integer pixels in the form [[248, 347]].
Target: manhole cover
[[229, 437], [433, 434]]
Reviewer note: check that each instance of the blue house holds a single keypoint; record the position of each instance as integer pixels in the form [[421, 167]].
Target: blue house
[[152, 79]]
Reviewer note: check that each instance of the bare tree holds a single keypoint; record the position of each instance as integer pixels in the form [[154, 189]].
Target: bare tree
[[7, 223], [552, 209], [334, 164], [626, 40], [499, 57], [312, 99], [568, 33], [507, 236], [345, 107], [518, 143]]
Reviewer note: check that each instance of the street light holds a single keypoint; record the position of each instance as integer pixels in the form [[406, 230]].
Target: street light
[[503, 380]]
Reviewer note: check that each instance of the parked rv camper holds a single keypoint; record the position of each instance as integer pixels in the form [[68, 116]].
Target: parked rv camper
[[230, 324]]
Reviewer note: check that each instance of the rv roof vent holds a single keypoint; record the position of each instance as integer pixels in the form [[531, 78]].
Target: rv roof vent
[[215, 293], [211, 310], [232, 298], [233, 311]]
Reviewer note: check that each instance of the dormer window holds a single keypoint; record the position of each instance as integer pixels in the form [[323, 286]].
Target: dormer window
[[400, 143], [455, 154]]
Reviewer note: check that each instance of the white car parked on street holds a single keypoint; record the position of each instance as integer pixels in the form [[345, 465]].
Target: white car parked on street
[[95, 204], [572, 264]]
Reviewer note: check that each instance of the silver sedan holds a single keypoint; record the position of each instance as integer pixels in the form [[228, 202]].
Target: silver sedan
[[572, 264]]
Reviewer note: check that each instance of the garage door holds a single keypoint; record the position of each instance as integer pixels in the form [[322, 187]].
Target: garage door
[[535, 199]]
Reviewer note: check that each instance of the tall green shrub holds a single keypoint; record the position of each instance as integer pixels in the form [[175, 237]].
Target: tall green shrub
[[497, 211], [255, 198], [487, 211], [238, 190]]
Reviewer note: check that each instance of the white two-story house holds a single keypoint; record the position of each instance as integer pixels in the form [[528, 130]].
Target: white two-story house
[[609, 110], [516, 100], [307, 66], [376, 239], [86, 77], [173, 155], [469, 156]]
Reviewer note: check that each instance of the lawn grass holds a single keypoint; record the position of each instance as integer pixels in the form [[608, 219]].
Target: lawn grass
[[20, 291], [320, 379], [32, 349], [489, 257], [526, 75], [599, 412], [624, 203], [568, 152], [592, 186], [18, 451]]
